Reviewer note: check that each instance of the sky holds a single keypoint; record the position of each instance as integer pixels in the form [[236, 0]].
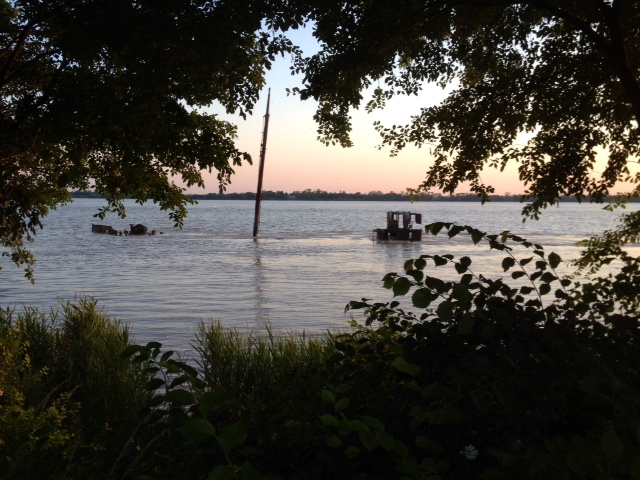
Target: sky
[[296, 160]]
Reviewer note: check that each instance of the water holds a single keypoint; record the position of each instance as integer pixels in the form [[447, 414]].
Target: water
[[310, 260]]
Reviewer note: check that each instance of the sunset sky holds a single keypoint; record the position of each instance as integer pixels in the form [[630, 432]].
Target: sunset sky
[[296, 160]]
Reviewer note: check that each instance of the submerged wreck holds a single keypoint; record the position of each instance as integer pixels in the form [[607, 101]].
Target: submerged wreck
[[396, 231], [135, 229]]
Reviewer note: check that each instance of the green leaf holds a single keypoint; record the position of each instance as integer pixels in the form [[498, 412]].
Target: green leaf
[[507, 263], [460, 268], [142, 356], [342, 404], [554, 260], [476, 235], [355, 305], [420, 263], [389, 280], [524, 261], [351, 452], [329, 420], [422, 298], [165, 356], [455, 230], [373, 422], [461, 293], [328, 396], [436, 284], [232, 436], [439, 260], [435, 228], [334, 441], [402, 365], [445, 311], [401, 287], [130, 350], [198, 429], [368, 440], [156, 400], [180, 397], [178, 381], [466, 279], [417, 275], [612, 446], [153, 384]]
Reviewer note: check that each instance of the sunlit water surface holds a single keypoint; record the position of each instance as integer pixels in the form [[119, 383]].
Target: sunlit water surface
[[309, 261]]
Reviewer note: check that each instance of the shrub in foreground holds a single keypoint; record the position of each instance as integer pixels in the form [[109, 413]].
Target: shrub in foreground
[[68, 400], [535, 381]]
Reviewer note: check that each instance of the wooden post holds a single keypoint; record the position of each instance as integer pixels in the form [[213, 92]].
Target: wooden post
[[263, 152]]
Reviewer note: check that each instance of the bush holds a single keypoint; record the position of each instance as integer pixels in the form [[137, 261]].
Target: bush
[[69, 401], [490, 381], [37, 426]]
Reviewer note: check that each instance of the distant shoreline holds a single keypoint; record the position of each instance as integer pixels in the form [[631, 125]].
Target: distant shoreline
[[316, 195]]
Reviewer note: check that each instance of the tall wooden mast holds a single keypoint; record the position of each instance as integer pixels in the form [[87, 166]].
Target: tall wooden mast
[[263, 152]]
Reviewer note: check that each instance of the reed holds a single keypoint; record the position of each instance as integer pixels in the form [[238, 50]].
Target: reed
[[27, 346], [109, 388], [252, 366]]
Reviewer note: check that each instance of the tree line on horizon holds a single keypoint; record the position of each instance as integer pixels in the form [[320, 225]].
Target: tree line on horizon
[[376, 195]]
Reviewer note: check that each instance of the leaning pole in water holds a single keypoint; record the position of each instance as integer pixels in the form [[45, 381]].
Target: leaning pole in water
[[263, 152]]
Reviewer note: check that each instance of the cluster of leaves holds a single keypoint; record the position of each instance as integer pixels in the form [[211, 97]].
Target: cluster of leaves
[[109, 96], [67, 400], [564, 74], [539, 378]]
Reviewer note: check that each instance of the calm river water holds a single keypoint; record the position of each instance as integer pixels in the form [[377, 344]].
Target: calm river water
[[309, 261]]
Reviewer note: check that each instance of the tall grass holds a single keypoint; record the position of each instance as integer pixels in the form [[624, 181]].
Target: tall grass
[[252, 366], [72, 406], [66, 395], [89, 343], [271, 384]]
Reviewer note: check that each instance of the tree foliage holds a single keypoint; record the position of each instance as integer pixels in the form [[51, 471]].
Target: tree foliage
[[527, 377], [108, 95], [563, 75]]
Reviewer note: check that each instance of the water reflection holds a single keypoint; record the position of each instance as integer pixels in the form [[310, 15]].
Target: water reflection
[[260, 280]]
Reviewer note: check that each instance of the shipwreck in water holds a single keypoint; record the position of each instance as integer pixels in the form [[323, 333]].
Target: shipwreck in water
[[400, 226]]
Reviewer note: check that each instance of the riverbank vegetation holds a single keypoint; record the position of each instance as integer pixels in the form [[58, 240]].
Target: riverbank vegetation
[[478, 378]]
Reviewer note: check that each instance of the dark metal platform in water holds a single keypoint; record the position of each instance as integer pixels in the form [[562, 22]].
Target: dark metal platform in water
[[395, 231]]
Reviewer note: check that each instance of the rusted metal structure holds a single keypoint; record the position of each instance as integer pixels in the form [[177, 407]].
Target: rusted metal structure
[[400, 227], [135, 229]]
